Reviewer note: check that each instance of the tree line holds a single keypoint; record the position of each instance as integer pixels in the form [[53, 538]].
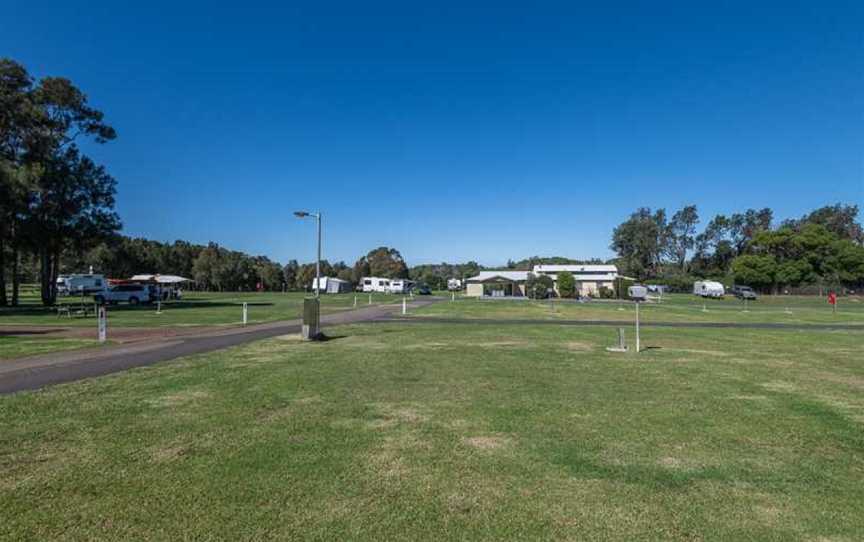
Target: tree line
[[53, 198], [823, 248]]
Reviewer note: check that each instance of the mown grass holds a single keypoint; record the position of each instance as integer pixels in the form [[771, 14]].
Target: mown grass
[[196, 308], [456, 431], [13, 347], [672, 308]]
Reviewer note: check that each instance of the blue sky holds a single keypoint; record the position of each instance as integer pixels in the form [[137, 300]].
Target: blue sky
[[452, 131]]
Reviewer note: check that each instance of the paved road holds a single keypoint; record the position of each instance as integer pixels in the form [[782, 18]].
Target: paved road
[[39, 371], [718, 325]]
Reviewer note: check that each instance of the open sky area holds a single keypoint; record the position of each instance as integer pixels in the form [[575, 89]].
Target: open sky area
[[456, 131]]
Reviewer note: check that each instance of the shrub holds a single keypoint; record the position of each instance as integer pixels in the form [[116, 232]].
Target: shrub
[[537, 286], [566, 284]]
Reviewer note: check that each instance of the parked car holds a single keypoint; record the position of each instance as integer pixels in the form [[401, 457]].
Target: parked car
[[742, 292], [424, 290], [127, 293]]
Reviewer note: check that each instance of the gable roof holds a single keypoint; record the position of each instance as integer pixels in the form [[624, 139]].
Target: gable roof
[[515, 276]]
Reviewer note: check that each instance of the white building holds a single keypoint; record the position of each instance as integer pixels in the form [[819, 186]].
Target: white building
[[589, 280]]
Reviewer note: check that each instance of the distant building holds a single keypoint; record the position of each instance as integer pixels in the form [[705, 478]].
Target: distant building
[[507, 283]]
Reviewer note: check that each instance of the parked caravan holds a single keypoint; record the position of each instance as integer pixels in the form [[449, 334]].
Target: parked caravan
[[80, 284], [399, 286], [454, 285], [375, 284], [708, 288], [332, 285]]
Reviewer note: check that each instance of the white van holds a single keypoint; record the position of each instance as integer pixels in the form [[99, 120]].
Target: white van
[[80, 284], [708, 288]]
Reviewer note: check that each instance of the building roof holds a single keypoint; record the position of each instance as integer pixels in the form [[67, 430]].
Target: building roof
[[515, 276], [576, 268]]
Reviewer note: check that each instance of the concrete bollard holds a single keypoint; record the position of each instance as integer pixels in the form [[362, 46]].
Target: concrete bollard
[[355, 301], [245, 313], [370, 299], [404, 306]]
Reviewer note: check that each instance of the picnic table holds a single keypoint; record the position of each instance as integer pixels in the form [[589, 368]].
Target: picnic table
[[70, 310]]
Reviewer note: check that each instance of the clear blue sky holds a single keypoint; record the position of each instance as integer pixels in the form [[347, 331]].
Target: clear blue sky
[[457, 130]]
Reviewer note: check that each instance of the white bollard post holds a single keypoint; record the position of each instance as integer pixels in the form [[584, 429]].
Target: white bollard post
[[355, 301], [245, 313], [452, 296], [370, 299], [704, 307], [637, 327], [159, 306], [102, 317], [404, 306]]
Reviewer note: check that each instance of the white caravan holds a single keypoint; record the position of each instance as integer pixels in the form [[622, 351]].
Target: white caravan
[[375, 284], [80, 284], [708, 288], [399, 286], [454, 285]]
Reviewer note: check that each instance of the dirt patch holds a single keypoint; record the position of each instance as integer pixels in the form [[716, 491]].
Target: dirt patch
[[427, 346], [779, 385], [292, 338], [501, 344], [750, 397], [491, 442], [169, 453], [392, 415], [576, 346], [700, 352], [179, 399]]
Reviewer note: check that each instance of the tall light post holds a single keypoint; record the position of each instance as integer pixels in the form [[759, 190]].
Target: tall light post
[[311, 328], [317, 216]]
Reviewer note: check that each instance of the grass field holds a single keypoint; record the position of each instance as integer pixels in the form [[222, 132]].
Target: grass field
[[673, 308], [452, 431], [206, 308], [13, 347]]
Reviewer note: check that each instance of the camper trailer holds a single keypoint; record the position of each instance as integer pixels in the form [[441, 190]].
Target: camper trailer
[[708, 288], [400, 286], [80, 284], [332, 285], [375, 284], [454, 285]]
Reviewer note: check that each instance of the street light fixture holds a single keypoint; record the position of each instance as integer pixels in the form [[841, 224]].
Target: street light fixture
[[317, 216]]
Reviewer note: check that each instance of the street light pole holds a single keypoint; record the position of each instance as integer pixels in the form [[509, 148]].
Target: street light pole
[[318, 261]]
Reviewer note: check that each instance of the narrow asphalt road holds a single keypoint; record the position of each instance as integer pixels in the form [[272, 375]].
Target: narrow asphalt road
[[39, 371]]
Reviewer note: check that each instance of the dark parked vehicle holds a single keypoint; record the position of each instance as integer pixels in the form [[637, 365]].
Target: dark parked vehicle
[[743, 292], [423, 290]]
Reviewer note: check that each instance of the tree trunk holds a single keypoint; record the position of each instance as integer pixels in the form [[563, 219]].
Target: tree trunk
[[16, 279], [3, 301], [49, 264]]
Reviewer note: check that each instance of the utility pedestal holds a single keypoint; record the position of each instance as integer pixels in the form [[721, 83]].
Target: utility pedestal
[[311, 319]]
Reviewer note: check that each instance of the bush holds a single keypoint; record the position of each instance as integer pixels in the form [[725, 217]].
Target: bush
[[537, 286], [566, 284]]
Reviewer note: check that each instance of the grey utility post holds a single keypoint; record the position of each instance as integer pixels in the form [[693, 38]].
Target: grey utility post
[[312, 307]]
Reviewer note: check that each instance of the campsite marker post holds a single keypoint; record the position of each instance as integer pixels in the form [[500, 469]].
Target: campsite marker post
[[404, 307], [638, 294], [355, 301], [370, 299], [245, 312], [102, 317], [452, 296]]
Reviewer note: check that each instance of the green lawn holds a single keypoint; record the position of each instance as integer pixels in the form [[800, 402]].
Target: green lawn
[[452, 431], [206, 308], [13, 347], [673, 308]]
